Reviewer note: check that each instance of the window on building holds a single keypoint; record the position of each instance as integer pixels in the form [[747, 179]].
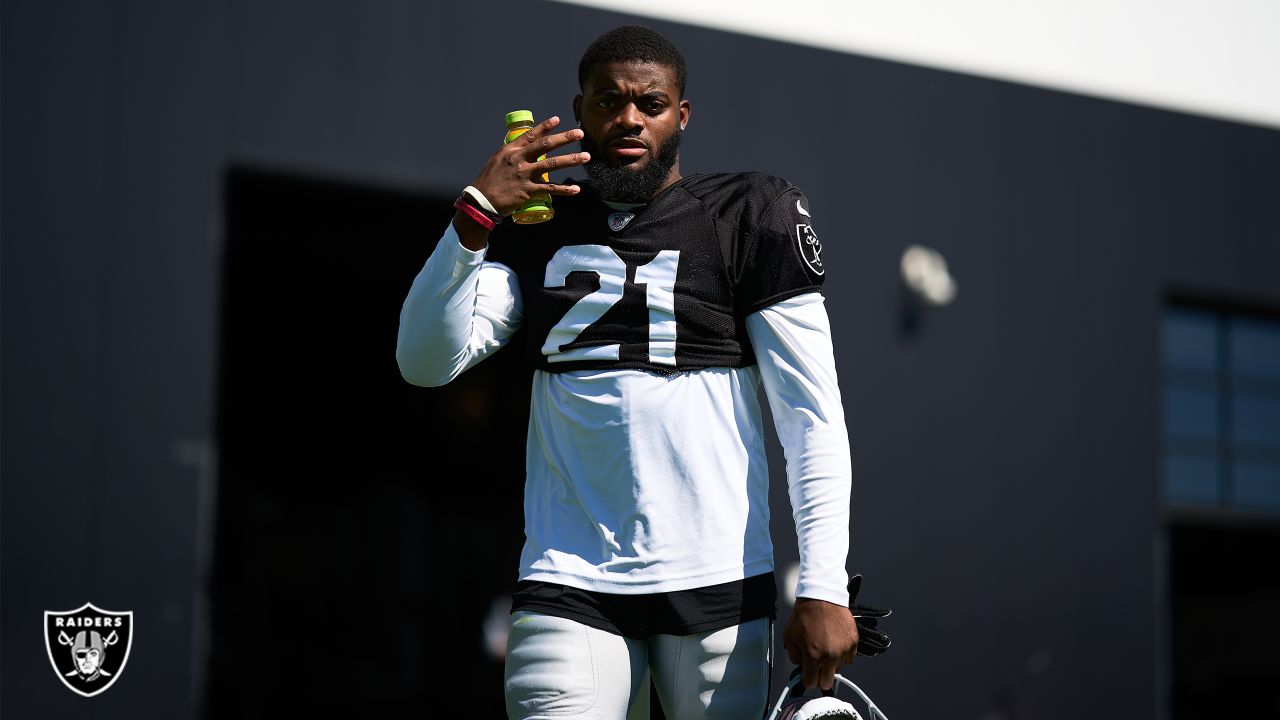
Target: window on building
[[1221, 481], [1221, 410]]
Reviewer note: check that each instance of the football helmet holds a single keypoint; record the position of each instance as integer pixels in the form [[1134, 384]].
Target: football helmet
[[793, 705]]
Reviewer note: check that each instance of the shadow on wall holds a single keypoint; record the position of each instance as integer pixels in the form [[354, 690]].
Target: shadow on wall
[[365, 525]]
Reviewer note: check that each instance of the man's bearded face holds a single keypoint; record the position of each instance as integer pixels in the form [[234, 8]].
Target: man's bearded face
[[632, 115], [633, 182]]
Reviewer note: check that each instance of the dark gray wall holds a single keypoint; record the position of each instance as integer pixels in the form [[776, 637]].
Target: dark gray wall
[[1005, 456]]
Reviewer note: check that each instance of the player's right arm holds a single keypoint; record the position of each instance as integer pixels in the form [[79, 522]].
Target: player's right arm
[[461, 308]]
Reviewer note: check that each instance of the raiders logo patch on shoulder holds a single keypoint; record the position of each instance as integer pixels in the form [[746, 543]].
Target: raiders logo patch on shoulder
[[810, 248]]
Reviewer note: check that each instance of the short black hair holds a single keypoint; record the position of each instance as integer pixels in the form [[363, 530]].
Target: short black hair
[[633, 43]]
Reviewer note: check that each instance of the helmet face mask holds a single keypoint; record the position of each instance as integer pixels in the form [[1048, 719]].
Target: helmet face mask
[[792, 705]]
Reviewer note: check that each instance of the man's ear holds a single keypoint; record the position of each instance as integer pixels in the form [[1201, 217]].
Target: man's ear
[[685, 111], [577, 109]]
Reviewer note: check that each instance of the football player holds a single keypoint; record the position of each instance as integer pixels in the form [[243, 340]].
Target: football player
[[655, 305]]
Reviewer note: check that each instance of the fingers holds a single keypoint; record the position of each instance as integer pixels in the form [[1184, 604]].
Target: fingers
[[821, 676], [809, 676], [537, 172], [540, 140], [559, 162], [542, 128], [872, 642], [848, 656], [827, 677], [554, 189], [871, 611]]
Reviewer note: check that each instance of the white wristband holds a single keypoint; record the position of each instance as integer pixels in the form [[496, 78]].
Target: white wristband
[[480, 198]]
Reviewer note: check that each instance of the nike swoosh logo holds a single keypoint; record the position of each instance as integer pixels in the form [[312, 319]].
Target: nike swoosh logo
[[801, 210]]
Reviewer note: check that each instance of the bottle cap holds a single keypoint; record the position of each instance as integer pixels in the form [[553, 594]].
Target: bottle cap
[[517, 116]]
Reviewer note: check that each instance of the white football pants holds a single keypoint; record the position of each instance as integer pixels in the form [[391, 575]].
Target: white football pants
[[558, 668]]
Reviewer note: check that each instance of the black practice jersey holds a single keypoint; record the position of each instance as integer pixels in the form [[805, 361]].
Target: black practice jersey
[[668, 287]]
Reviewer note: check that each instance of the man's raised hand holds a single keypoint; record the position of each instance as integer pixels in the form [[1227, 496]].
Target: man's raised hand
[[513, 174]]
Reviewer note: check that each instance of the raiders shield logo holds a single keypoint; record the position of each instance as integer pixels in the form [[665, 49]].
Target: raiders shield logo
[[810, 248], [88, 647], [619, 220]]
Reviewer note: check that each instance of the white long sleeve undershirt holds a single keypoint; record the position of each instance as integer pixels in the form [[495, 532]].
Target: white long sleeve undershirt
[[640, 483]]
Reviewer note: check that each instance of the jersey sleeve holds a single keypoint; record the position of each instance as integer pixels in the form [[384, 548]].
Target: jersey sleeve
[[792, 342], [459, 310], [783, 257]]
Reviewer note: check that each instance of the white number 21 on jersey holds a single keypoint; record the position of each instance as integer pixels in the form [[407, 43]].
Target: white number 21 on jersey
[[659, 278]]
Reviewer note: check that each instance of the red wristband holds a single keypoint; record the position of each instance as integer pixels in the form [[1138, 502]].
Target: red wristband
[[475, 213]]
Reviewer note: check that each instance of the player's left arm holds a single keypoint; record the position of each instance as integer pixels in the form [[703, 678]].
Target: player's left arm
[[792, 342], [791, 336]]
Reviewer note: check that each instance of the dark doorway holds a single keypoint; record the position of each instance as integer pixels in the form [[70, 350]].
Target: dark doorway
[[364, 525], [1225, 627]]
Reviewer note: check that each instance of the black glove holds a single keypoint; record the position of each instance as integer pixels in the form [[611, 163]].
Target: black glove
[[870, 640]]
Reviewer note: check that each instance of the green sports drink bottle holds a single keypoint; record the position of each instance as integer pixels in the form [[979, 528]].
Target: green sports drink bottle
[[538, 209]]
